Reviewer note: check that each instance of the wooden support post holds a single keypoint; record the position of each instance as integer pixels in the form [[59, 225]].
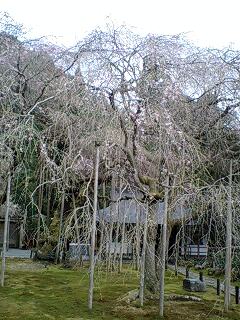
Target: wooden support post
[[93, 237], [187, 272], [201, 276], [237, 294], [218, 287]]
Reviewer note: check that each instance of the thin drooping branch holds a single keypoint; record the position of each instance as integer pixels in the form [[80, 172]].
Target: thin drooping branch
[[163, 251], [59, 243], [228, 263], [142, 274], [5, 235], [93, 234]]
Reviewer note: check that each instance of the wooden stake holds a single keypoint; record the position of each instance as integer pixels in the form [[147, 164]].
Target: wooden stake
[[218, 287], [237, 294]]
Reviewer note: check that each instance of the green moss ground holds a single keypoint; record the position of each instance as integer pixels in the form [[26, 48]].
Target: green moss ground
[[55, 293]]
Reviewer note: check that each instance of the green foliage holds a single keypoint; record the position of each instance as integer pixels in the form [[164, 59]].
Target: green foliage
[[219, 262], [48, 241]]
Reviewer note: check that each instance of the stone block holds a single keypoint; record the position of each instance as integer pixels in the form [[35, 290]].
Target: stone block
[[194, 285]]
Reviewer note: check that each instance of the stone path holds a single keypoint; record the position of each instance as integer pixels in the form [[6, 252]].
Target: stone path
[[212, 282]]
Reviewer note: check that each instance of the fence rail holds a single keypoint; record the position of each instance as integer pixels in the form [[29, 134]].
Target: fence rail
[[194, 250]]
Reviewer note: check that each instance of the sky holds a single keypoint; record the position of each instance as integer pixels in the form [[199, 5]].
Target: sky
[[208, 23]]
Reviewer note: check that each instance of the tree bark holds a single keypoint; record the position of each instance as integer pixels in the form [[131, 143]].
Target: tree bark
[[150, 261]]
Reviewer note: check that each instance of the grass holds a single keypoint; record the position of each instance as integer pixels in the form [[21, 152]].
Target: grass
[[34, 292]]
